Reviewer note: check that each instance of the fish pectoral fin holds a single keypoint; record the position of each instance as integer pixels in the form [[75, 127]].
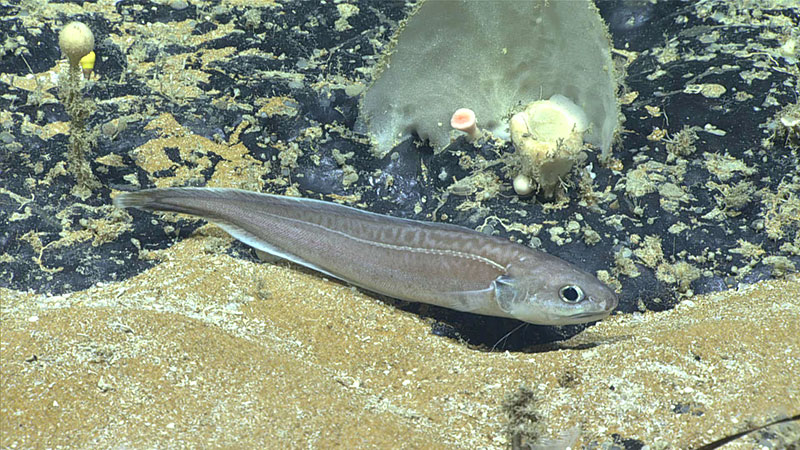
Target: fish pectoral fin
[[505, 292]]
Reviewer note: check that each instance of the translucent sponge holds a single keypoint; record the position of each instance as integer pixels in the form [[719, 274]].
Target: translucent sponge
[[490, 57]]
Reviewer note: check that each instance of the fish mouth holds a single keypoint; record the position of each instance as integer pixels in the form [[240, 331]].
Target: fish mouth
[[608, 304], [589, 316]]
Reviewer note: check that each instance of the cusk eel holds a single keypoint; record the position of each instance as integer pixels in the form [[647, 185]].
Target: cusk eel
[[436, 263]]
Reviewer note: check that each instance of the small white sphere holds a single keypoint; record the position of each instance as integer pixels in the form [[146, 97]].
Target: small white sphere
[[523, 185], [76, 41]]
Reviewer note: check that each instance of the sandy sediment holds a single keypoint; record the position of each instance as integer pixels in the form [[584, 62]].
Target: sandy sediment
[[208, 350]]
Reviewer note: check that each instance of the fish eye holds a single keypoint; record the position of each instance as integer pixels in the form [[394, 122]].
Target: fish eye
[[571, 293]]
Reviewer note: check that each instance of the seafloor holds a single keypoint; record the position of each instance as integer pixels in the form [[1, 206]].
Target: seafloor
[[130, 330], [206, 350]]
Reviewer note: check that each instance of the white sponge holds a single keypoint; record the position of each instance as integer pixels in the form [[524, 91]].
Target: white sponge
[[548, 136]]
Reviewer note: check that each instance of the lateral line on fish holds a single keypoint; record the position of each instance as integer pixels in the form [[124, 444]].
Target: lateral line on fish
[[423, 250]]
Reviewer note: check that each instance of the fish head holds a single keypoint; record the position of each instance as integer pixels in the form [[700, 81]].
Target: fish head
[[546, 290]]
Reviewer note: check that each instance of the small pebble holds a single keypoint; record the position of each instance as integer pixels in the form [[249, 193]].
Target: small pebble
[[178, 4]]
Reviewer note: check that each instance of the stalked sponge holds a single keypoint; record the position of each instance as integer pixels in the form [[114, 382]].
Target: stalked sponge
[[76, 41], [490, 57]]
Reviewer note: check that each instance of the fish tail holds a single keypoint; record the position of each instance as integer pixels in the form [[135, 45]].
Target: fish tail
[[147, 200], [179, 200], [196, 201]]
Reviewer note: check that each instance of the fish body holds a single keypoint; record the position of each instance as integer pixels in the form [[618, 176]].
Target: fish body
[[435, 263]]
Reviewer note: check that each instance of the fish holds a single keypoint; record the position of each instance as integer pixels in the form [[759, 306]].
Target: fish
[[428, 262]]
